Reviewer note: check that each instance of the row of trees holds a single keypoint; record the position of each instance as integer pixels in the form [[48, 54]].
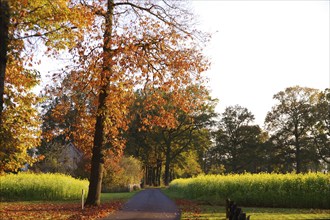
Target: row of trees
[[162, 146], [296, 136]]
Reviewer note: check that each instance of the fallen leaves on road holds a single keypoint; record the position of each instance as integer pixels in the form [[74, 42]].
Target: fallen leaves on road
[[48, 210]]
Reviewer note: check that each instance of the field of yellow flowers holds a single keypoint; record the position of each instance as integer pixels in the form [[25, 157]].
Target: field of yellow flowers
[[310, 190], [30, 186]]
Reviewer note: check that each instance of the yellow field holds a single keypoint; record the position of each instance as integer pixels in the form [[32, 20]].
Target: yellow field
[[310, 190]]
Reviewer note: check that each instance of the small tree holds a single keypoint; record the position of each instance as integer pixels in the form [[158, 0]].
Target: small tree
[[119, 177]]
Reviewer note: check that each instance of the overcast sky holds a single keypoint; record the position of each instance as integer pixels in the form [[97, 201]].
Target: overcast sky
[[262, 47]]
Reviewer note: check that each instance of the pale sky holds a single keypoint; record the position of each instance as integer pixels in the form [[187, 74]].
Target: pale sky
[[262, 47]]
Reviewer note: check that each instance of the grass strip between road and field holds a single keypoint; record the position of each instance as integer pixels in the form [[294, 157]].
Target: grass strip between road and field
[[203, 209]]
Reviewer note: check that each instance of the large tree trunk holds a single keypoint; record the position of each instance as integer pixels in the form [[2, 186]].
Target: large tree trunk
[[4, 38], [97, 166]]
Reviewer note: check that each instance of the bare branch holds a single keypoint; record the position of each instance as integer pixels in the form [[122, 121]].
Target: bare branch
[[169, 21], [38, 34]]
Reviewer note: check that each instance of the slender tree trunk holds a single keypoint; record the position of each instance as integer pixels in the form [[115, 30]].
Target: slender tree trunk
[[4, 39], [297, 145], [298, 158], [97, 165], [149, 175], [167, 164], [159, 171]]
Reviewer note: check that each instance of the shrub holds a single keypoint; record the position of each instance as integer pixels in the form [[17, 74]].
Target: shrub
[[30, 186], [123, 177]]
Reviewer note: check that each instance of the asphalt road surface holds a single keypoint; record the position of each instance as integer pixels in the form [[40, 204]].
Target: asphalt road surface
[[146, 205]]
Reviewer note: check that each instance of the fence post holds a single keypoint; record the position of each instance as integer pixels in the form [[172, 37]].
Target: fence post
[[233, 212], [82, 199]]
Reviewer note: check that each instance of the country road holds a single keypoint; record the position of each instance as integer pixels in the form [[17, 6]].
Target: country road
[[146, 205]]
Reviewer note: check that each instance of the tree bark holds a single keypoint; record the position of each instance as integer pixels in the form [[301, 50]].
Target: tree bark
[[97, 164], [4, 39]]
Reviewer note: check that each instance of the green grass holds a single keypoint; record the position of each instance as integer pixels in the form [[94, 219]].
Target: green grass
[[117, 196], [202, 209], [218, 213]]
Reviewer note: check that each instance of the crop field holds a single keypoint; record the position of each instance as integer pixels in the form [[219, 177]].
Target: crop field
[[50, 187], [51, 196], [310, 190]]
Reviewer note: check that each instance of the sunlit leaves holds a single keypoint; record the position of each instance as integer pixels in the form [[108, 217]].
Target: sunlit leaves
[[145, 52], [20, 127], [32, 25]]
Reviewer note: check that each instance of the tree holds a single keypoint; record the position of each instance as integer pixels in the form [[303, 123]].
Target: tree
[[321, 128], [4, 37], [120, 176], [24, 25], [188, 165], [57, 137], [130, 44], [20, 128], [237, 142], [191, 133], [157, 143], [290, 122]]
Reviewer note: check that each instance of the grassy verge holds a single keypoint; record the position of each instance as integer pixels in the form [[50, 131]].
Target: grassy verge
[[201, 209], [218, 212], [124, 196]]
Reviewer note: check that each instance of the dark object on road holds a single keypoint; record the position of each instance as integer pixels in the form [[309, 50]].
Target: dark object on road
[[233, 212], [146, 205]]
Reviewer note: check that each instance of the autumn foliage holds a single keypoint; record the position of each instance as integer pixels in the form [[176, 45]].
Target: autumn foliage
[[114, 48], [25, 25], [126, 46]]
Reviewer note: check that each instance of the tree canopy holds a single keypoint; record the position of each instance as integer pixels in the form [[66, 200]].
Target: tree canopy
[[26, 26], [127, 45], [291, 120]]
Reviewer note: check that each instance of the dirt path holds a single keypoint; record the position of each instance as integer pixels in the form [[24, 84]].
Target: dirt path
[[146, 205]]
